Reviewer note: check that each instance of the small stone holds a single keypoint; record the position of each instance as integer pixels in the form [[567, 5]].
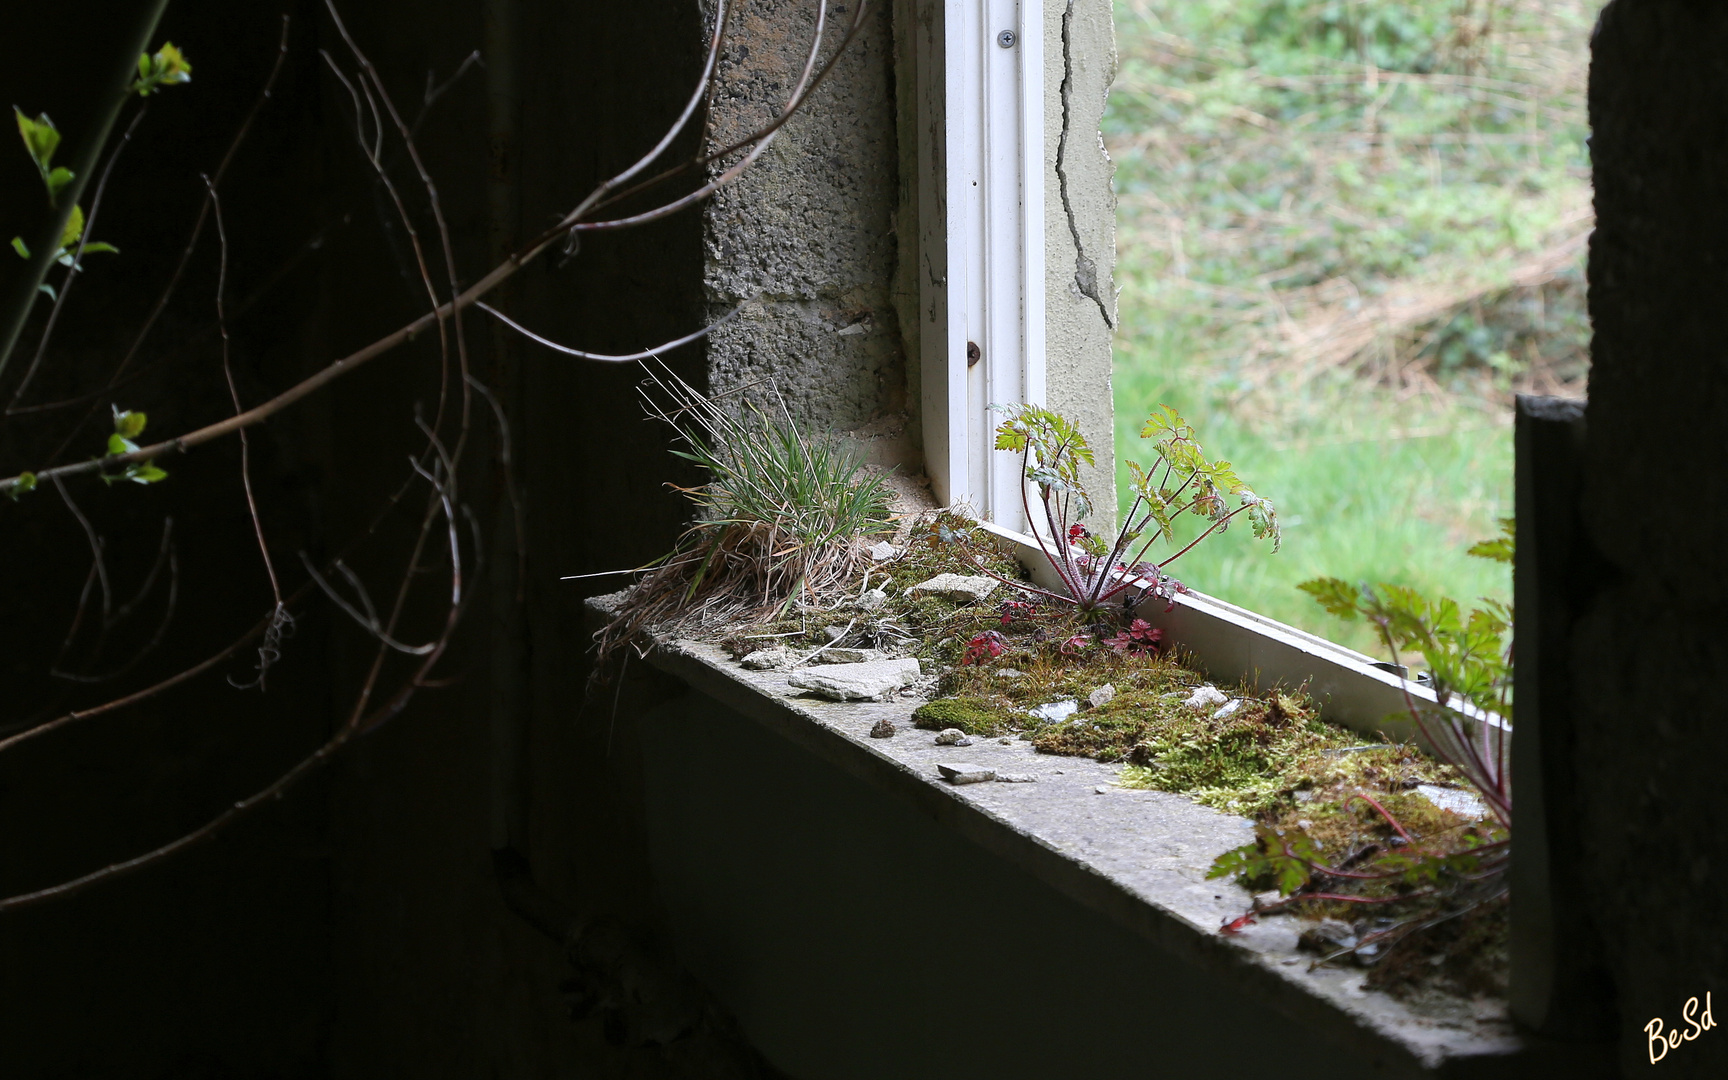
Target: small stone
[[1010, 673], [957, 587], [1056, 711], [872, 599], [768, 659], [884, 551], [1101, 696], [965, 774], [1461, 803], [1006, 741], [1016, 778], [1205, 696], [857, 682], [1100, 791], [849, 656], [952, 737], [1229, 708], [882, 729]]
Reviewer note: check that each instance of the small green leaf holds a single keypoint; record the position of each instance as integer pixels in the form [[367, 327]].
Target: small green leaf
[[129, 425], [147, 473], [23, 484], [166, 68], [18, 246], [118, 444], [48, 289], [73, 230], [57, 178], [100, 246]]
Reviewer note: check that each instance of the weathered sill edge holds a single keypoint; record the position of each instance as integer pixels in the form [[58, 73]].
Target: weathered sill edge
[[1377, 1026]]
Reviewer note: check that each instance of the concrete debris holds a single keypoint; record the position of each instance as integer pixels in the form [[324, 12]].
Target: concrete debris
[[884, 551], [1016, 778], [1101, 696], [768, 659], [1229, 708], [956, 587], [1100, 790], [1205, 696], [952, 737], [965, 774], [849, 656], [882, 729], [872, 599], [1461, 803], [1056, 711], [875, 681]]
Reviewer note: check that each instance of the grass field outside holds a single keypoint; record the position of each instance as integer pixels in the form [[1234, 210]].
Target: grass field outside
[[1348, 232]]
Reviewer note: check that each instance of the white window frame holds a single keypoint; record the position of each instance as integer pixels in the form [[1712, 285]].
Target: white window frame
[[981, 214], [980, 198]]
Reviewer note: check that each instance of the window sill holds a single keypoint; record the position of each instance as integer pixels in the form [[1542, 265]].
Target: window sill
[[1137, 858]]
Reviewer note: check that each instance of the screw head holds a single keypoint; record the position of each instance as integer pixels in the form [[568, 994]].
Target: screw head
[[1006, 39]]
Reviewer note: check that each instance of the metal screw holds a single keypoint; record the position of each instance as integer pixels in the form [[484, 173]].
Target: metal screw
[[1005, 39]]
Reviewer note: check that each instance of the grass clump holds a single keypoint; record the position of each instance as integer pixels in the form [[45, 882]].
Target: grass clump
[[782, 517]]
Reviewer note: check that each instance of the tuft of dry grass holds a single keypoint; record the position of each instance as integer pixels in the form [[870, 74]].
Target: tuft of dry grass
[[784, 518]]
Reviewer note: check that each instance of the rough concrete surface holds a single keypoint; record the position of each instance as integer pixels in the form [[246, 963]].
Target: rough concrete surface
[[1140, 856], [805, 240], [1080, 231]]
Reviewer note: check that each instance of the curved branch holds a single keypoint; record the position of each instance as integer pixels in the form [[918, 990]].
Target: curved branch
[[604, 357]]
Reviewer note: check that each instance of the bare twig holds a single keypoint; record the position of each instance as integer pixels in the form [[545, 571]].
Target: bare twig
[[604, 357]]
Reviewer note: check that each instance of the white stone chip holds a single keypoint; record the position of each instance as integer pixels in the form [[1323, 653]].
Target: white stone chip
[[849, 656], [768, 659], [1056, 711], [965, 774], [952, 737], [872, 599], [1459, 802], [875, 681], [1016, 778], [884, 551], [957, 587], [1101, 696], [1229, 708], [1205, 696]]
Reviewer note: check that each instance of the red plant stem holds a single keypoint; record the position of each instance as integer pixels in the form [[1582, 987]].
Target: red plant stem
[[1390, 820]]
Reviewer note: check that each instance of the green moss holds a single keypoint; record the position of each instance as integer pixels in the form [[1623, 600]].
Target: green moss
[[974, 716]]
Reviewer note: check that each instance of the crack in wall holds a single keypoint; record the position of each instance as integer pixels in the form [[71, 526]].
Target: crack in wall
[[1085, 270]]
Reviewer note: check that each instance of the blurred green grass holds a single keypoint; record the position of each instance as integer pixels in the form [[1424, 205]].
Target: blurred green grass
[[1280, 166]]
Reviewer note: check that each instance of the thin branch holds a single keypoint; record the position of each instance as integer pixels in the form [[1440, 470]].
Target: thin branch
[[258, 414], [89, 153], [77, 257], [604, 357], [191, 243]]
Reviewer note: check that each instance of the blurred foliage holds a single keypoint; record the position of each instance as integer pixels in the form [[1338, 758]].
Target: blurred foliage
[[1347, 231]]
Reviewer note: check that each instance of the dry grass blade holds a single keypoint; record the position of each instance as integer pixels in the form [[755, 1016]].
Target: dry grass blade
[[781, 520]]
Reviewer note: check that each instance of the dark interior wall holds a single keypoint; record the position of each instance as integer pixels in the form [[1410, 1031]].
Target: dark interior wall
[[214, 963], [1649, 655], [354, 929]]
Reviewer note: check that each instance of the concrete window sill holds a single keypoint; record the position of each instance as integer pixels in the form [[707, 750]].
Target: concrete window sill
[[1133, 859]]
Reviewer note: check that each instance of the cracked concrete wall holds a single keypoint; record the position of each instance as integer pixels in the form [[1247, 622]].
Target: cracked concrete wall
[[806, 239], [1080, 231]]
